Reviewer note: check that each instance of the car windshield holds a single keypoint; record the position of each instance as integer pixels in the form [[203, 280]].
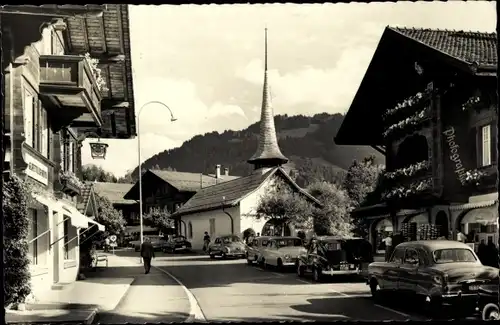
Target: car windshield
[[232, 239], [453, 255], [291, 242]]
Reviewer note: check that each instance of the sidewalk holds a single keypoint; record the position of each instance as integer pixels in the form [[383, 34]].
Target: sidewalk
[[80, 301]]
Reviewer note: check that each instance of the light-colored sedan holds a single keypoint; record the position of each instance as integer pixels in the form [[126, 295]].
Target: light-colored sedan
[[255, 248], [227, 246], [282, 252]]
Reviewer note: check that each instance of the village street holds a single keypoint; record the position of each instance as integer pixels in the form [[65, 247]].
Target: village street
[[230, 290]]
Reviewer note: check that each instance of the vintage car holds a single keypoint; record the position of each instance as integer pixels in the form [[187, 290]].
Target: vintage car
[[488, 301], [439, 272], [281, 252], [176, 244], [333, 255], [157, 241], [227, 246], [254, 249]]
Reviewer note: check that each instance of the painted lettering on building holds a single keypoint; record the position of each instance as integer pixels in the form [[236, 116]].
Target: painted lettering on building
[[37, 170], [454, 154]]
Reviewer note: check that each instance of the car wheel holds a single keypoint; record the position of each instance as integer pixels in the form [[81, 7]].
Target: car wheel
[[490, 312], [317, 274], [433, 307], [223, 255], [212, 256], [300, 270], [375, 290]]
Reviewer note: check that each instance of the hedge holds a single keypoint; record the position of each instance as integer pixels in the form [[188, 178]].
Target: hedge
[[17, 279]]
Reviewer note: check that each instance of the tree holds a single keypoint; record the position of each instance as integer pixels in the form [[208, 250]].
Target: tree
[[282, 206], [333, 217], [362, 179], [17, 285], [109, 217], [127, 178], [160, 219], [98, 174]]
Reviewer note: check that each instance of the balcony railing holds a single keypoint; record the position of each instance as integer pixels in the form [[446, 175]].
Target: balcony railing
[[70, 80]]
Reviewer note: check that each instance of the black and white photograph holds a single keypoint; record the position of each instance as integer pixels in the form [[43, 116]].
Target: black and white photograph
[[250, 162]]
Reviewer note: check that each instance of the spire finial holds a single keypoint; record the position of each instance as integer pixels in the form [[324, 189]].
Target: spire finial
[[265, 50]]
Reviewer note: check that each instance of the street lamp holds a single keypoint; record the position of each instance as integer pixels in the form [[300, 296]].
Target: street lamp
[[172, 119]]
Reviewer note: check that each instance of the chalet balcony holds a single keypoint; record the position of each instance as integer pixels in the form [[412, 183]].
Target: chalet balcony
[[70, 90]]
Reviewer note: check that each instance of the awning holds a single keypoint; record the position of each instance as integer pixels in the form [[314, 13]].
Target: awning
[[48, 202], [421, 218], [99, 226], [473, 205], [77, 219], [482, 216]]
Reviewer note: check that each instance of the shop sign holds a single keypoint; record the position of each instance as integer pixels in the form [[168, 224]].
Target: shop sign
[[36, 169]]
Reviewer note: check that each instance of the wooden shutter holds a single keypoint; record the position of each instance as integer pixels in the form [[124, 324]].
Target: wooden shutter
[[475, 146], [36, 128], [493, 131], [486, 145]]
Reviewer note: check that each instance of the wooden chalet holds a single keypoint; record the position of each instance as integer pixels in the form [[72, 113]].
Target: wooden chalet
[[428, 102]]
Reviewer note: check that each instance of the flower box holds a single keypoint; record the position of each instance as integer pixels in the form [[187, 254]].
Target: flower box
[[71, 185], [411, 171]]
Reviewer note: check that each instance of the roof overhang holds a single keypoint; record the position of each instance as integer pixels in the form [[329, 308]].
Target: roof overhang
[[62, 11], [388, 80], [148, 179]]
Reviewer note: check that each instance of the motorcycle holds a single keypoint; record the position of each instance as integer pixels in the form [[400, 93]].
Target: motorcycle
[[488, 302]]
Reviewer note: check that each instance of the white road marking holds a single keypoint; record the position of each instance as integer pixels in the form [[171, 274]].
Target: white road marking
[[195, 314], [393, 310], [304, 281], [275, 273]]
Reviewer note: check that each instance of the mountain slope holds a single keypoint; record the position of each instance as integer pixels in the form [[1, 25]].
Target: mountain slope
[[306, 141]]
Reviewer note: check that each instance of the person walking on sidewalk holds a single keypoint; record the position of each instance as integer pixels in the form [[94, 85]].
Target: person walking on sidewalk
[[206, 241], [106, 244], [147, 254]]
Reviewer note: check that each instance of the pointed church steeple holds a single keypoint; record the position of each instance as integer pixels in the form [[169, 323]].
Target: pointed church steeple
[[268, 153]]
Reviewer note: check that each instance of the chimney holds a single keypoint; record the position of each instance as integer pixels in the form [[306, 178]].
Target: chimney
[[226, 171], [217, 171]]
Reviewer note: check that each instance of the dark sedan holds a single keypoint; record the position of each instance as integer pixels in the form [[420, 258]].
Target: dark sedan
[[177, 244]]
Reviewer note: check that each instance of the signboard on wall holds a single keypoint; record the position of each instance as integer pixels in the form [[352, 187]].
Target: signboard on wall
[[36, 169]]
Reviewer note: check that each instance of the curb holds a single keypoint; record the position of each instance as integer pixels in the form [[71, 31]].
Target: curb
[[87, 321], [91, 317]]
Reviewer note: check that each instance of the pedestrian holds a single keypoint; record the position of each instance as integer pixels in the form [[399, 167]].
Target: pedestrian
[[258, 234], [388, 247], [206, 241], [147, 254], [482, 252], [106, 244], [491, 252], [461, 237]]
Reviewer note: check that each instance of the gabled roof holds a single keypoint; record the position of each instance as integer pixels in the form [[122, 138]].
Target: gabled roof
[[182, 181], [190, 182], [470, 47], [114, 192], [84, 197], [233, 192], [391, 75]]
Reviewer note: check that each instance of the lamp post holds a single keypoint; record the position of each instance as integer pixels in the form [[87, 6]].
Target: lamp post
[[172, 119]]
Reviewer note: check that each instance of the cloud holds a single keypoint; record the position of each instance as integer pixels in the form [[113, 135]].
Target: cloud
[[330, 90]]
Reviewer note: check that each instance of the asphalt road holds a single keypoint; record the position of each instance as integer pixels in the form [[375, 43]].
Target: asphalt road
[[230, 290]]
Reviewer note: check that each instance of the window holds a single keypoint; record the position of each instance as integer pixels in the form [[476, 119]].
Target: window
[[66, 238], [485, 145], [29, 103], [453, 255], [36, 124], [32, 234], [71, 158], [398, 255], [63, 150], [190, 230], [212, 226], [217, 240]]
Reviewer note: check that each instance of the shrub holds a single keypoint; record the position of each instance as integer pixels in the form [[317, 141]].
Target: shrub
[[17, 278]]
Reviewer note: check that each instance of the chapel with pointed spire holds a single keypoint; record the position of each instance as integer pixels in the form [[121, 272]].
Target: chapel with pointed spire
[[268, 154]]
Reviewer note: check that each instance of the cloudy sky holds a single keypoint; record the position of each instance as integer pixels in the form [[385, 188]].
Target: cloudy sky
[[206, 62]]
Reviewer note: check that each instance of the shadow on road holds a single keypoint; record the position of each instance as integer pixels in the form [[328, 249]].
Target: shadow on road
[[139, 318], [285, 318]]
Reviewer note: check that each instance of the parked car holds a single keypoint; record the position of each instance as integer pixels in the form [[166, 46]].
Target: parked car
[[438, 271], [488, 301], [255, 248], [176, 244], [227, 246], [157, 241], [333, 255], [282, 252]]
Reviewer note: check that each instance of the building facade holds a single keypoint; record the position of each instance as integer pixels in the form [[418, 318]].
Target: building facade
[[433, 113], [54, 98]]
